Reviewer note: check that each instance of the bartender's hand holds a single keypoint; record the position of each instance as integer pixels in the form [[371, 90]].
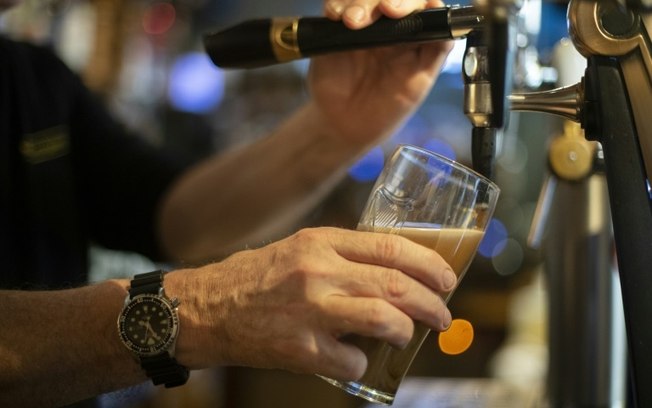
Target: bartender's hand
[[287, 305], [358, 99], [366, 95]]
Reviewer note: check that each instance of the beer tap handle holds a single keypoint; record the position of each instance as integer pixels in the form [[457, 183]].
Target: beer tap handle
[[500, 35], [261, 42]]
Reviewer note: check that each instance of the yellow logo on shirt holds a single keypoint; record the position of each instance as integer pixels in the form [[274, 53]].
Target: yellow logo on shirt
[[45, 145]]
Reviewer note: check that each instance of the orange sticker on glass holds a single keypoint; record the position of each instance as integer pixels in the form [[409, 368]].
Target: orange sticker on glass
[[458, 338]]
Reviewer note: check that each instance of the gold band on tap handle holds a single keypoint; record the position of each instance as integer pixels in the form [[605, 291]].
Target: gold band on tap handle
[[284, 38]]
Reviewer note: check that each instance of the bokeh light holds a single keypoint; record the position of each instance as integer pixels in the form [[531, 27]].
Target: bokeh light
[[159, 18], [368, 168], [494, 240], [457, 338], [510, 259], [196, 85]]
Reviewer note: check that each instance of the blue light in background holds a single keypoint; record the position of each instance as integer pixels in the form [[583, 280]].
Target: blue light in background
[[494, 240], [554, 25], [368, 168], [413, 132], [196, 85], [440, 147], [453, 64]]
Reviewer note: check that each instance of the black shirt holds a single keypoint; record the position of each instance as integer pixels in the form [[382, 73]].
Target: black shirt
[[69, 174]]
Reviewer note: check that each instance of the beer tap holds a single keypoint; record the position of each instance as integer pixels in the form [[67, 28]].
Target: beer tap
[[488, 61], [611, 103], [261, 42], [478, 103]]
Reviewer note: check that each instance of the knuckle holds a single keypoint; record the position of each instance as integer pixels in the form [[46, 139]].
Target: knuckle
[[307, 236], [395, 283], [307, 349], [389, 247], [298, 257], [354, 369], [404, 335], [344, 366], [299, 352], [386, 324], [377, 316]]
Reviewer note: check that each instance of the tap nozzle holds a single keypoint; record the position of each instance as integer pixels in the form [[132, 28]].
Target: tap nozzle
[[483, 150], [566, 101], [479, 104]]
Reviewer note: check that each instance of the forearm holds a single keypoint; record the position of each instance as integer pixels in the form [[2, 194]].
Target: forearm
[[57, 347], [285, 306], [249, 193], [357, 99]]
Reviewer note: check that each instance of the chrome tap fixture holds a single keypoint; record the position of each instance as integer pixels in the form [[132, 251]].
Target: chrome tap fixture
[[611, 102], [488, 62]]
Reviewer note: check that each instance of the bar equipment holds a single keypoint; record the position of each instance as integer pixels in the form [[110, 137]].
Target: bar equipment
[[610, 103], [586, 350], [261, 42], [572, 223]]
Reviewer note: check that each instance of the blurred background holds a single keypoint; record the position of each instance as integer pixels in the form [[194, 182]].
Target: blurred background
[[146, 59]]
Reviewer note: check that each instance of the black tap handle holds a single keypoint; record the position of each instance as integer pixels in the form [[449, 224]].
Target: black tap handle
[[501, 61], [257, 43], [609, 120], [245, 45]]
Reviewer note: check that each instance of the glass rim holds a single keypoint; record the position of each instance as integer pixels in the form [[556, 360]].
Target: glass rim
[[453, 163]]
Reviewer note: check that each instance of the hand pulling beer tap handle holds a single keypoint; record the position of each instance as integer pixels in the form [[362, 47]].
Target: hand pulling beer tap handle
[[262, 42]]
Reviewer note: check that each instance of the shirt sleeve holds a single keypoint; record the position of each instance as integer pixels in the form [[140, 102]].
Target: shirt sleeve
[[121, 177]]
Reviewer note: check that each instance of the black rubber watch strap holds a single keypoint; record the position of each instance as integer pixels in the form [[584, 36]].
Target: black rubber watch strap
[[149, 282], [161, 368]]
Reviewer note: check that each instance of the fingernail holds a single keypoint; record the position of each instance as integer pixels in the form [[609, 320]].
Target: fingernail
[[450, 279], [447, 319], [336, 7], [355, 13], [396, 3]]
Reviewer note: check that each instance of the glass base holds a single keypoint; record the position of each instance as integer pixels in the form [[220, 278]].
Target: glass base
[[362, 391]]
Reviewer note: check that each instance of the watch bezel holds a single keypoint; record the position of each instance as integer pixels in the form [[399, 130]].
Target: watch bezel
[[168, 341]]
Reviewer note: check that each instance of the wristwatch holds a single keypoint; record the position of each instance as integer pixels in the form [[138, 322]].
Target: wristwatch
[[149, 325]]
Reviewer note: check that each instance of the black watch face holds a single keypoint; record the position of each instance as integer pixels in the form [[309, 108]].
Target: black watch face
[[148, 324]]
